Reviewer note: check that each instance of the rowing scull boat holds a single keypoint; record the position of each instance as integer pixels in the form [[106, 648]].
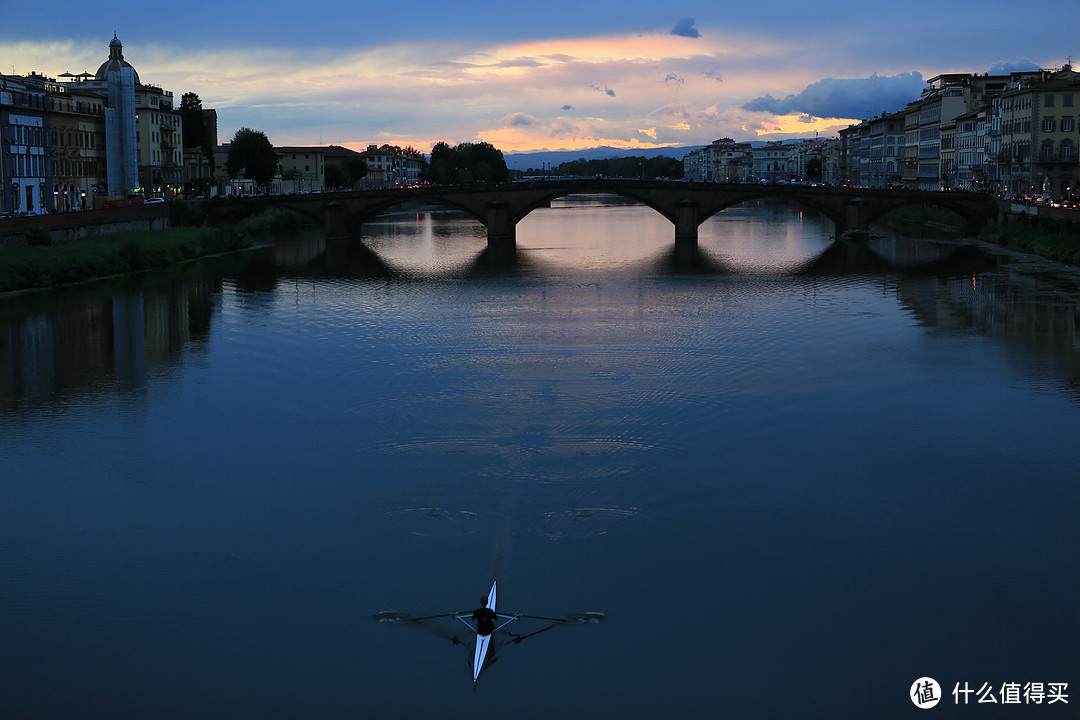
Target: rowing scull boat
[[483, 641], [483, 653]]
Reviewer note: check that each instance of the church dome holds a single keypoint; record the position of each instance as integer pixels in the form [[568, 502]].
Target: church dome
[[116, 61]]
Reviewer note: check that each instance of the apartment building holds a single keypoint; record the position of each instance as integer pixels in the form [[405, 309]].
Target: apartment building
[[74, 142], [301, 169], [1036, 130], [25, 184], [771, 162], [873, 152], [723, 160], [972, 169], [159, 133], [945, 99], [388, 169], [77, 137]]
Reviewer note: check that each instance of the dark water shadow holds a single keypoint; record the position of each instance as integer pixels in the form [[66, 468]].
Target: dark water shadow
[[350, 259], [681, 261], [501, 262], [847, 257]]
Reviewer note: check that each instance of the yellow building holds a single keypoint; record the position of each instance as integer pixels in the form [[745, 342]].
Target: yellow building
[[301, 169], [77, 134]]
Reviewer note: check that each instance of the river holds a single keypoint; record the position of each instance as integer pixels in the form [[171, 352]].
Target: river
[[796, 477]]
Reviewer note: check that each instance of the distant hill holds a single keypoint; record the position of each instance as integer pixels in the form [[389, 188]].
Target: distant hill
[[524, 161]]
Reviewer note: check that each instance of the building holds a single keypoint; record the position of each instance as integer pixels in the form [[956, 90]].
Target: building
[[25, 171], [723, 160], [160, 142], [801, 155], [347, 166], [770, 162], [884, 151], [387, 169], [946, 98], [971, 151], [87, 139], [301, 169], [115, 82], [1037, 134]]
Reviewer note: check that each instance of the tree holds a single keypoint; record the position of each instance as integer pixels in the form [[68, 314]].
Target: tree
[[335, 177], [467, 162], [357, 169], [252, 155]]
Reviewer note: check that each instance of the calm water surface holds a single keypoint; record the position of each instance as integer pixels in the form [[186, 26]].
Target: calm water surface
[[796, 477]]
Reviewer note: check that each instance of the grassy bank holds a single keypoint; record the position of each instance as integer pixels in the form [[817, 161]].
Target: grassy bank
[[1052, 239], [41, 266], [1056, 240]]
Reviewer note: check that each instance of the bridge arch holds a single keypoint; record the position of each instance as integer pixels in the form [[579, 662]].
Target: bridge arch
[[544, 199], [973, 217], [358, 214], [804, 201]]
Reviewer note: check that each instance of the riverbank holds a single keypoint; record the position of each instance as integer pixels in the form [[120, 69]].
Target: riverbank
[[1049, 238], [1054, 240], [40, 264], [32, 267]]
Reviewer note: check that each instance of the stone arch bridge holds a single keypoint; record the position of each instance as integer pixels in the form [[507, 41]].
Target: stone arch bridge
[[500, 207]]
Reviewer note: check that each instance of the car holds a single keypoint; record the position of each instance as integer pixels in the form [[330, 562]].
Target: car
[[151, 201]]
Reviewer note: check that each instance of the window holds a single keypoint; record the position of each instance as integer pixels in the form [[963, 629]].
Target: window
[[1066, 125], [1067, 100], [1048, 125], [1048, 100], [1067, 151]]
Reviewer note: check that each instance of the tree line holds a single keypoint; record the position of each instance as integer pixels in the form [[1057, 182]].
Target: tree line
[[634, 166]]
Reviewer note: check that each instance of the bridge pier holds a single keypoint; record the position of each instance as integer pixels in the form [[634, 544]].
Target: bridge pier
[[857, 216], [686, 229], [334, 221], [501, 230]]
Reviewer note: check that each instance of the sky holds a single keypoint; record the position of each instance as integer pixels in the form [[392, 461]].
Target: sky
[[557, 75]]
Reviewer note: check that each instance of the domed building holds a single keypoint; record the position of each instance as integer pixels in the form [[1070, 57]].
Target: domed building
[[116, 62], [122, 151], [144, 146]]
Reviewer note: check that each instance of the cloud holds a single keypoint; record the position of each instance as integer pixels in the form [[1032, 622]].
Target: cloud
[[606, 90], [567, 107], [712, 75], [851, 98], [673, 77], [685, 28], [519, 119], [1004, 68]]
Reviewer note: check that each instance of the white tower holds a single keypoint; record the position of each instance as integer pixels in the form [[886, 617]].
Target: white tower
[[121, 147]]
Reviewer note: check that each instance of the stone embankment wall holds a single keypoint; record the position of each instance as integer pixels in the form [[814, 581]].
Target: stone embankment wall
[[71, 225]]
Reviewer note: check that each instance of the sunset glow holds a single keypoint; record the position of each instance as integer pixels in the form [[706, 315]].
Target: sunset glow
[[528, 83]]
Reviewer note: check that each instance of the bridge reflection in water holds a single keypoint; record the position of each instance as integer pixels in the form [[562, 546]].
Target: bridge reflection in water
[[501, 207]]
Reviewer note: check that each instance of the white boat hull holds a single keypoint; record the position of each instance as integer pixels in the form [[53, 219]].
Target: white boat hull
[[483, 641]]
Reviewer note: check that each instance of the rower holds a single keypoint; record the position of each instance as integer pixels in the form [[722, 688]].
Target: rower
[[485, 618]]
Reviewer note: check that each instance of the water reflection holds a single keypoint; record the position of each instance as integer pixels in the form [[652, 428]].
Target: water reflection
[[62, 349], [832, 457], [112, 336]]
